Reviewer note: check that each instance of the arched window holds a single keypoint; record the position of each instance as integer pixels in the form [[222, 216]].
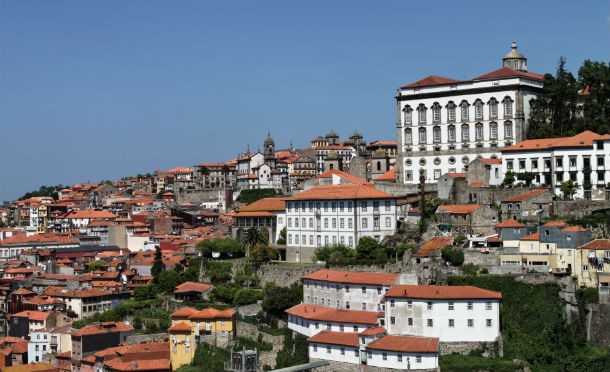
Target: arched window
[[450, 111], [493, 108], [478, 131], [421, 111], [508, 129], [465, 133], [451, 133], [408, 136], [508, 107], [493, 131], [436, 134], [406, 112], [422, 136], [436, 113], [464, 107], [478, 110], [378, 165]]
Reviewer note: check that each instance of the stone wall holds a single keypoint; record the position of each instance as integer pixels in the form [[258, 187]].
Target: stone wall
[[577, 208], [598, 323], [348, 367], [284, 275], [490, 349], [251, 331], [482, 259], [153, 337]]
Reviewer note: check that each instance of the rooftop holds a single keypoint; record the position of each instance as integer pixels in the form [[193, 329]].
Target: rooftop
[[441, 292], [349, 277]]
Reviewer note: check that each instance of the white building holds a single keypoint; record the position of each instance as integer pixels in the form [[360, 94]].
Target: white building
[[581, 158], [38, 345], [339, 214], [309, 319], [443, 124], [451, 313], [392, 352], [347, 290]]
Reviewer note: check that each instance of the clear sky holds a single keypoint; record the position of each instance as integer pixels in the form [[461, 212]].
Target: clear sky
[[93, 90]]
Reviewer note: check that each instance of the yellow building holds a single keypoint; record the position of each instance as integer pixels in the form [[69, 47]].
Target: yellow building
[[191, 326], [593, 269]]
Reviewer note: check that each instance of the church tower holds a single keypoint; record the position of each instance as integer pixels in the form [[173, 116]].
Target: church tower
[[515, 60], [269, 151]]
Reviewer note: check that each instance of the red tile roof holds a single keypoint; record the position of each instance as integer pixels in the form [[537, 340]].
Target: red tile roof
[[506, 72], [211, 313], [138, 365], [265, 204], [584, 139], [459, 209], [187, 287], [373, 331], [457, 175], [180, 327], [350, 277], [532, 237], [478, 184], [525, 196], [90, 214], [335, 338], [327, 314], [104, 327], [347, 191], [510, 223], [433, 245], [557, 223], [573, 229], [83, 293], [346, 176], [597, 244], [33, 315], [490, 161], [430, 81], [185, 312], [407, 344], [441, 292], [387, 176]]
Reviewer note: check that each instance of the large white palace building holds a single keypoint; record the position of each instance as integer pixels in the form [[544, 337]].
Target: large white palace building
[[443, 124]]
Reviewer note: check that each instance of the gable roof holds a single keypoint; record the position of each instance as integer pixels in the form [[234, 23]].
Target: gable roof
[[335, 338], [388, 176], [459, 209], [490, 161], [345, 191], [532, 237], [506, 72], [510, 223], [327, 314], [442, 292], [180, 327], [583, 139], [433, 245], [597, 244], [525, 196], [405, 344], [350, 277], [187, 287], [265, 204], [430, 81], [343, 175]]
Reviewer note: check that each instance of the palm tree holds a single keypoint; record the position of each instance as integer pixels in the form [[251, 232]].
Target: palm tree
[[254, 236]]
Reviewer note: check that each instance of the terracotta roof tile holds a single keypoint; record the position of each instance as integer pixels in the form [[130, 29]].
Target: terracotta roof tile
[[387, 176], [433, 245], [185, 312], [192, 287], [430, 81], [326, 314], [459, 209], [584, 139], [532, 237], [138, 365], [407, 344], [490, 161], [525, 196], [351, 277], [346, 176], [478, 184], [441, 292], [211, 313], [346, 191], [90, 214], [33, 315], [510, 223], [104, 327], [505, 72], [573, 229], [597, 244], [336, 338], [180, 327], [265, 204], [557, 223], [456, 175], [373, 331]]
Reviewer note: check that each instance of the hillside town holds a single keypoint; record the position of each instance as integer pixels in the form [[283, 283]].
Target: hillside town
[[351, 254]]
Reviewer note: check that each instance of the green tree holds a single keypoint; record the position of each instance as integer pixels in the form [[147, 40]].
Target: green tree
[[568, 189], [526, 177], [143, 293], [594, 81], [218, 272], [168, 281], [254, 236], [225, 248], [261, 253], [454, 256], [96, 265], [246, 296], [509, 179], [334, 253], [282, 238], [276, 299], [367, 248], [158, 265]]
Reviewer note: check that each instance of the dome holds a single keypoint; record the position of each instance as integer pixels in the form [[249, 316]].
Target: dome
[[380, 154], [515, 59], [332, 134], [269, 140], [514, 53], [355, 135]]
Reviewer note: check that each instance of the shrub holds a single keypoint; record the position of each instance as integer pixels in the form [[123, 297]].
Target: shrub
[[470, 269], [454, 256]]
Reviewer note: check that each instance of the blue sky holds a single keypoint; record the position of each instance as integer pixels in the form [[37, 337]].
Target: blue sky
[[93, 90]]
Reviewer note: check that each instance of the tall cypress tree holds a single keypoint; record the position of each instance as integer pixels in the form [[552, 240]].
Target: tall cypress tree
[[158, 265]]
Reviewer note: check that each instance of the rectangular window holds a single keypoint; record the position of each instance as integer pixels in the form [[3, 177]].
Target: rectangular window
[[429, 305], [469, 305], [326, 223], [363, 306], [410, 321], [310, 239], [451, 323], [388, 222], [333, 206], [430, 323], [464, 113], [508, 130], [334, 223], [364, 222], [451, 114], [493, 131], [325, 206], [289, 222], [436, 115], [363, 289], [341, 206], [384, 356], [364, 206], [328, 349], [342, 350], [311, 206], [508, 109], [465, 133], [488, 305], [311, 223], [488, 322], [342, 223], [409, 305], [418, 359], [399, 357], [350, 224], [470, 323], [392, 303], [450, 304], [407, 115], [422, 116], [296, 222], [493, 110], [478, 112], [349, 206], [479, 132], [351, 241], [388, 205]]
